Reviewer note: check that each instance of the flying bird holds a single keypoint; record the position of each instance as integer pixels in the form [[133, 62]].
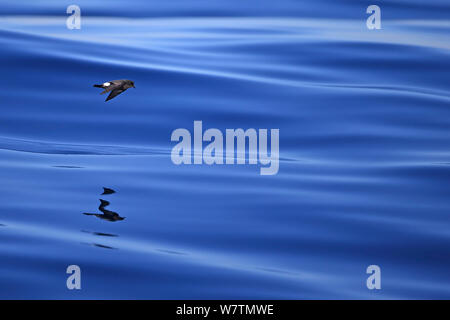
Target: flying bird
[[116, 87], [106, 214]]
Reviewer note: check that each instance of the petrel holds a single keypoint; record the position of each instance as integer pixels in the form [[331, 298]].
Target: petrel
[[106, 214], [116, 87]]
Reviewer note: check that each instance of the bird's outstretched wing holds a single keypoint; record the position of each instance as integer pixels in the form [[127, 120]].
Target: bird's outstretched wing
[[103, 204], [114, 93], [112, 85]]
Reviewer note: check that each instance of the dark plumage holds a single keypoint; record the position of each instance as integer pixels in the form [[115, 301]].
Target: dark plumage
[[108, 191], [116, 87], [106, 214]]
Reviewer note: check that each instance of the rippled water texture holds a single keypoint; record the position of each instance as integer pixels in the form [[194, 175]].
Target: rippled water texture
[[364, 175]]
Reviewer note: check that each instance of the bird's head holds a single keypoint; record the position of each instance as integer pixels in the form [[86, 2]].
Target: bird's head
[[132, 84]]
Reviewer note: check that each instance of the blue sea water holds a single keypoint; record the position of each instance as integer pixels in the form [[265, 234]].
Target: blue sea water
[[364, 175]]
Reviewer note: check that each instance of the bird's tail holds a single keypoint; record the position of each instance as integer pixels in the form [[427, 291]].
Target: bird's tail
[[98, 85]]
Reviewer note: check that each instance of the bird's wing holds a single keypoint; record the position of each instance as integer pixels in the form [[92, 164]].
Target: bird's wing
[[114, 93], [108, 191], [103, 203], [113, 85]]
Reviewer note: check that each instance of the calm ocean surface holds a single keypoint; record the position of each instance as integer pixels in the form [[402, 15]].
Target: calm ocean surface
[[364, 119]]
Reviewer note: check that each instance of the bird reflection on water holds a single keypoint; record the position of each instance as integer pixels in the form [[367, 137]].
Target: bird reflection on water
[[102, 234]]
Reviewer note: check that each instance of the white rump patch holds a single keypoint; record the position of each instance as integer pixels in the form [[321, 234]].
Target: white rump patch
[[107, 84]]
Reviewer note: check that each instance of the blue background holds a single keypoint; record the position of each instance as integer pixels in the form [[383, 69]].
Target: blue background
[[364, 123]]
